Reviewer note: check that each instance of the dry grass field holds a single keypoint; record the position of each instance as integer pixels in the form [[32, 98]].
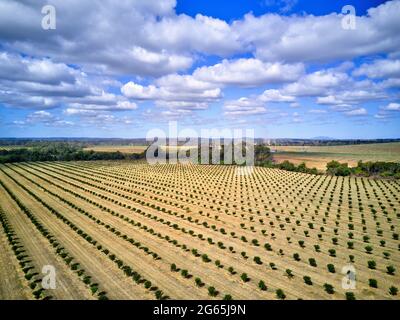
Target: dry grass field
[[134, 231], [319, 156]]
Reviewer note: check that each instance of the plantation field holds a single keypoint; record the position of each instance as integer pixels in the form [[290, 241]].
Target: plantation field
[[125, 230], [132, 149], [122, 149], [319, 156]]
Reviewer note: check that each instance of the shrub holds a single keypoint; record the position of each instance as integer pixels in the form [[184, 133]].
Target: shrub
[[159, 294], [368, 249], [244, 277], [372, 264], [373, 283], [331, 268], [350, 245], [262, 285], [391, 270], [312, 262], [289, 273], [329, 288], [296, 256], [257, 260], [102, 297], [307, 280], [280, 294], [184, 273], [338, 169], [393, 291], [227, 297], [87, 280], [173, 267], [198, 282], [350, 296], [267, 247], [332, 252], [212, 292]]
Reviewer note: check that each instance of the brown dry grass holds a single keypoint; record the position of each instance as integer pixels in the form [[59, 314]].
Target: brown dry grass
[[319, 156]]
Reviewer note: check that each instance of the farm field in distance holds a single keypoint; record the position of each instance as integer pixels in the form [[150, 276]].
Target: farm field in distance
[[122, 149], [130, 149], [319, 156], [127, 230]]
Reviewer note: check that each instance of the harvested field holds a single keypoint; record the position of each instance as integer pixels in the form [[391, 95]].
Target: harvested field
[[199, 231], [319, 156]]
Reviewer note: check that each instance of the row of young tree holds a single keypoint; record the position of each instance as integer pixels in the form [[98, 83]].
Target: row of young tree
[[205, 259], [69, 260], [128, 270], [24, 260], [60, 151]]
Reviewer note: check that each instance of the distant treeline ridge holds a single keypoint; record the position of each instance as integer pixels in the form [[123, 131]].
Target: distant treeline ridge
[[61, 152]]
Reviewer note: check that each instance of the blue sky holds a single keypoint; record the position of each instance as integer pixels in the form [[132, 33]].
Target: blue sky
[[285, 68], [233, 10]]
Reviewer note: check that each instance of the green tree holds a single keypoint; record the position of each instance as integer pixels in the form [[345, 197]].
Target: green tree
[[262, 285], [307, 280], [329, 288], [280, 294], [350, 296]]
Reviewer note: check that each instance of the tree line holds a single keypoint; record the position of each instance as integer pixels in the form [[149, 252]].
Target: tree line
[[60, 151], [365, 169]]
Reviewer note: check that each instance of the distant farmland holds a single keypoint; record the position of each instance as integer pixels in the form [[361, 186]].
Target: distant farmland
[[319, 156], [122, 149]]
